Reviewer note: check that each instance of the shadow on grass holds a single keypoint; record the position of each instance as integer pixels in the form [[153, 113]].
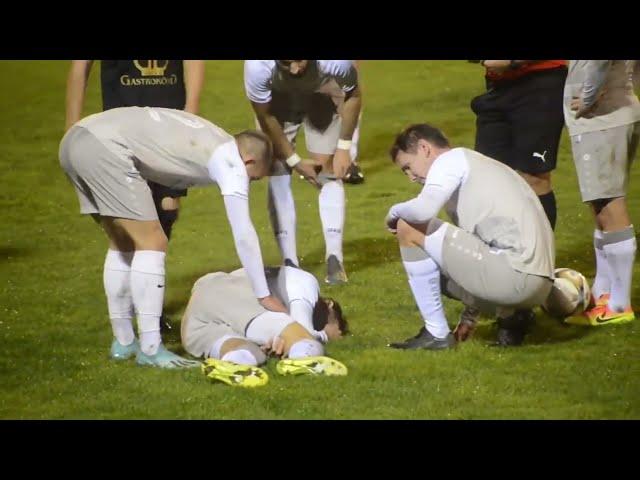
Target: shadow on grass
[[545, 331], [360, 253], [7, 252]]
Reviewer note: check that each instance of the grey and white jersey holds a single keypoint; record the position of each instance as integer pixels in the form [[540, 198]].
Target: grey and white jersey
[[490, 200], [608, 85], [169, 147]]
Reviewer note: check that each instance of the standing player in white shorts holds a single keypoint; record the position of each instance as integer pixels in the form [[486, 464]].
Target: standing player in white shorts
[[497, 255], [325, 97], [224, 323], [602, 114], [109, 157]]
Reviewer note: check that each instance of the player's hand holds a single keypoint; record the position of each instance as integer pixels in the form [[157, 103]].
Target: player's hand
[[392, 223], [275, 346], [272, 304], [496, 66], [341, 162], [307, 168], [578, 106]]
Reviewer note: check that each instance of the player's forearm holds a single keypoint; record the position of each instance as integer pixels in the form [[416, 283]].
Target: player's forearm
[[413, 211], [423, 208], [246, 242], [350, 114], [193, 81], [595, 75], [76, 86], [271, 126]]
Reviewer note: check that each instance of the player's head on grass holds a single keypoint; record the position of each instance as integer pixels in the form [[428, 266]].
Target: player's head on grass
[[295, 68], [256, 151], [328, 311], [416, 148]]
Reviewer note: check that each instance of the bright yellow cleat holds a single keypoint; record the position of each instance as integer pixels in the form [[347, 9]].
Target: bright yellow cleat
[[234, 374], [311, 366], [602, 315]]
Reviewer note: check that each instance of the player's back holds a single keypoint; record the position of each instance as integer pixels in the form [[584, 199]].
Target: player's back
[[170, 147], [496, 203]]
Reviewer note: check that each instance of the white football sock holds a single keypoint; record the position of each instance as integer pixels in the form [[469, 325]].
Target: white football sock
[[601, 284], [620, 250], [117, 287], [331, 203], [282, 213], [147, 289], [424, 280], [241, 357], [306, 348]]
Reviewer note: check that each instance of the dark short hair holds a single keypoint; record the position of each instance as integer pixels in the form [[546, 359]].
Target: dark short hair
[[407, 140], [258, 144], [321, 315]]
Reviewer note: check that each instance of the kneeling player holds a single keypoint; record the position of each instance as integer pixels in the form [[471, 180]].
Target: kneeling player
[[225, 324], [497, 256]]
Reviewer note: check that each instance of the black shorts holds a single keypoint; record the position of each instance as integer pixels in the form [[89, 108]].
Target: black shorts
[[160, 191], [519, 122]]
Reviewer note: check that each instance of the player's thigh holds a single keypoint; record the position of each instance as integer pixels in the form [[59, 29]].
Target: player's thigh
[[494, 137], [483, 272], [602, 159], [200, 333], [322, 125], [537, 121], [144, 234]]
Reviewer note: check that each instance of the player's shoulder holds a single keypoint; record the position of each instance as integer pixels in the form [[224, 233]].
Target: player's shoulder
[[259, 68], [453, 158], [336, 67]]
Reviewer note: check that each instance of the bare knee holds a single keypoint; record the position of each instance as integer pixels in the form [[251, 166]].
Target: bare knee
[[170, 203], [539, 182], [410, 234]]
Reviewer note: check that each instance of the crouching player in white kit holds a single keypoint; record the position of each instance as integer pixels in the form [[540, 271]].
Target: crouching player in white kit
[[498, 254], [225, 324], [109, 157]]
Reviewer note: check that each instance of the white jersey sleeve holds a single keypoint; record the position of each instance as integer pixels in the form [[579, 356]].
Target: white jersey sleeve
[[343, 71], [301, 285], [303, 291], [257, 79], [227, 169], [445, 176]]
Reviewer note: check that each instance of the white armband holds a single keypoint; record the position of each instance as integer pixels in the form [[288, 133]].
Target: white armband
[[293, 160], [344, 144]]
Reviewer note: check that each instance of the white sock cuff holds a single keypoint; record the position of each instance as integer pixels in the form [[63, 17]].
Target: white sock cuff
[[434, 241], [118, 261], [214, 352], [306, 348], [332, 193], [148, 261], [279, 183], [241, 357]]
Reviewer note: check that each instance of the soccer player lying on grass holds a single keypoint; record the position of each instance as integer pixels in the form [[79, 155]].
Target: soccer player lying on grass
[[109, 157], [498, 254], [224, 323]]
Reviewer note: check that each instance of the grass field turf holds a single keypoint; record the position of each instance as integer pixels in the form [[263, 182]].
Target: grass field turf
[[55, 334]]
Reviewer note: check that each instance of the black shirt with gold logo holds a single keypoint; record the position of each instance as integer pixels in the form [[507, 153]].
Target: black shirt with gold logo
[[142, 83]]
